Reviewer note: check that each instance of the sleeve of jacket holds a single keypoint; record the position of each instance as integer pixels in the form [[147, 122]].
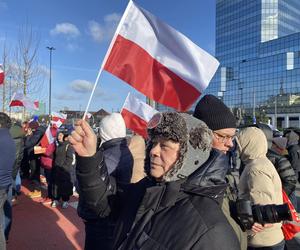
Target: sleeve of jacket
[[69, 157], [261, 188], [94, 184], [33, 140], [220, 236], [294, 157], [287, 174]]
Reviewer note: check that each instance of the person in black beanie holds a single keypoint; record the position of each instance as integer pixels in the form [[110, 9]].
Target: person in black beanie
[[222, 122], [219, 119]]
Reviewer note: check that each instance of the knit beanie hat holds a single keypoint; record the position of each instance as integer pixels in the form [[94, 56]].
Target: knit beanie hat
[[214, 113], [112, 126]]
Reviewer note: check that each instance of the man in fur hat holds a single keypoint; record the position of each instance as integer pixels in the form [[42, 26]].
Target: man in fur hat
[[168, 209]]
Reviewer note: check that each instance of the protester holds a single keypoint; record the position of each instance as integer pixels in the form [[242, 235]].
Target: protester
[[261, 184], [18, 136], [222, 122], [283, 167], [8, 157], [293, 148], [166, 209], [119, 162], [47, 162], [62, 171], [33, 136]]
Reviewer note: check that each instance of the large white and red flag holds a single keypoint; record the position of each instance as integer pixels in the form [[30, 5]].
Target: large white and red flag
[[19, 100], [2, 75], [157, 60], [137, 114], [57, 119]]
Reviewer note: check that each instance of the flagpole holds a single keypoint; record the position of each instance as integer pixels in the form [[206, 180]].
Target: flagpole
[[107, 54], [125, 101]]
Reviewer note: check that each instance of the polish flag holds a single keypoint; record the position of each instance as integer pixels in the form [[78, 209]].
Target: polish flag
[[2, 76], [58, 119], [49, 137], [19, 100], [157, 60], [137, 114]]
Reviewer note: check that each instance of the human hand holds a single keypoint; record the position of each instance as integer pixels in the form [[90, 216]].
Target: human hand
[[83, 139], [256, 228]]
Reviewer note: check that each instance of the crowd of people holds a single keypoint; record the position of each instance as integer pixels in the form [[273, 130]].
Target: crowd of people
[[177, 189]]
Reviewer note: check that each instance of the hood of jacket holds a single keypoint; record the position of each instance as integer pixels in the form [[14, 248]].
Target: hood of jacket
[[16, 131], [252, 144], [292, 138], [193, 135], [111, 127], [209, 179]]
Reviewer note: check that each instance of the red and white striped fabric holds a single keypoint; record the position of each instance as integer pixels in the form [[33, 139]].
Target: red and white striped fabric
[[2, 76], [158, 61], [49, 137], [19, 100], [137, 114], [58, 119]]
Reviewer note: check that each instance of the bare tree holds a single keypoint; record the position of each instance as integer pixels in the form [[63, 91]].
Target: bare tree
[[28, 74]]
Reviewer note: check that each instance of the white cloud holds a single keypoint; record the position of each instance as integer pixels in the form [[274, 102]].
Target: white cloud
[[3, 5], [102, 32], [81, 86], [67, 29]]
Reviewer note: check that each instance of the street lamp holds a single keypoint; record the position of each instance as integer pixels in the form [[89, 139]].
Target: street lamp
[[9, 94], [50, 52]]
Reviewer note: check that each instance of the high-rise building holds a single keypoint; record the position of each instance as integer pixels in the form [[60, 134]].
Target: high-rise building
[[258, 46]]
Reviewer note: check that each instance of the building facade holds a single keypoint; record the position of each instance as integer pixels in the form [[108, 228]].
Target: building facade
[[258, 46]]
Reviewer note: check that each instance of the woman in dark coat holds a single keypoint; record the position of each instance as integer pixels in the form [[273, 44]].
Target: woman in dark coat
[[62, 171]]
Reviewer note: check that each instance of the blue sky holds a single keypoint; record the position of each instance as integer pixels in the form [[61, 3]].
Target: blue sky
[[81, 31]]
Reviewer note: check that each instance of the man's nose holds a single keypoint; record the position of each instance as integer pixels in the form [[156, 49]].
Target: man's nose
[[155, 150]]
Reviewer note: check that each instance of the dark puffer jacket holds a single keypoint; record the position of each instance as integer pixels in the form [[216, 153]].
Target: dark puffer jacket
[[18, 136], [118, 159], [62, 179]]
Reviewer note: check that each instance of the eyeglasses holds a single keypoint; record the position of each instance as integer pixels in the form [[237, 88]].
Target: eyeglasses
[[224, 138]]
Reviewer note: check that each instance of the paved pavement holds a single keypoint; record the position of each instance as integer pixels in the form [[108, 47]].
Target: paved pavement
[[40, 227]]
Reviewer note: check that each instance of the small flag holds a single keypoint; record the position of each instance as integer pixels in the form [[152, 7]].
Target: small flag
[[137, 114], [19, 100], [49, 137], [2, 76], [58, 119]]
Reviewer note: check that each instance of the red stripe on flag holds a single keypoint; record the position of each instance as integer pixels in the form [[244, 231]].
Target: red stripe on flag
[[134, 65], [16, 103], [135, 123], [1, 77]]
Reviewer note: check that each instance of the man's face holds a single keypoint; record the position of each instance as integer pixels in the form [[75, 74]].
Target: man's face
[[222, 139], [163, 156]]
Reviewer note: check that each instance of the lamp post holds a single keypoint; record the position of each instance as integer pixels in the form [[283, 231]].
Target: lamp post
[[50, 52], [9, 94]]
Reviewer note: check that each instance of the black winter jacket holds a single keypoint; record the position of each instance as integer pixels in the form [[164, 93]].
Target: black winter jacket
[[118, 159], [285, 171], [150, 215], [18, 137], [32, 140]]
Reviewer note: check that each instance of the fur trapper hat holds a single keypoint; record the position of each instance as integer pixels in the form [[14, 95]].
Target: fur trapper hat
[[193, 135]]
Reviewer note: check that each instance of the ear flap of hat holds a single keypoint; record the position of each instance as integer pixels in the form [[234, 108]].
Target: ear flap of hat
[[198, 147]]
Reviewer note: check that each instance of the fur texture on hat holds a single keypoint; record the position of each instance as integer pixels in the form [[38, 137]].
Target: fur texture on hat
[[193, 135], [214, 113], [112, 126]]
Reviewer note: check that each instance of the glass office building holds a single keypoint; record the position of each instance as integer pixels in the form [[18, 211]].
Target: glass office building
[[258, 46]]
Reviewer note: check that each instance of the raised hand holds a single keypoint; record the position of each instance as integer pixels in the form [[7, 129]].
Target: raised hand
[[83, 139]]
